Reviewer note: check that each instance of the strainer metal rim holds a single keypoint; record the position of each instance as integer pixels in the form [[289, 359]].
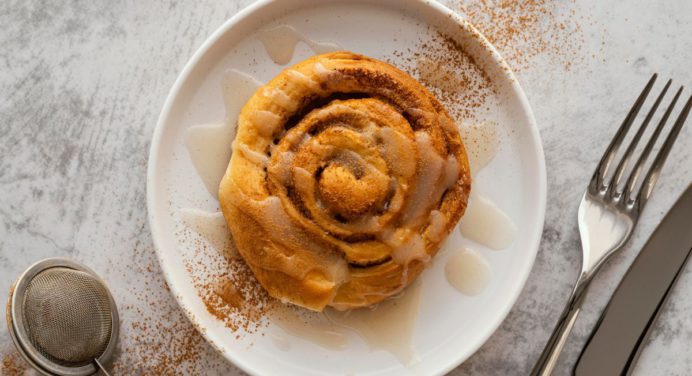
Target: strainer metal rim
[[21, 338]]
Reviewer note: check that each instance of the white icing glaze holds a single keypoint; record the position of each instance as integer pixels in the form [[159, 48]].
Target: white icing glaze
[[303, 181], [407, 245], [321, 71], [387, 326], [266, 122], [319, 148], [282, 168], [428, 177], [304, 80], [468, 272], [338, 107], [293, 137], [396, 150], [451, 174], [368, 223], [396, 202], [207, 144], [370, 130], [354, 159], [280, 98], [481, 142], [432, 181], [309, 328], [254, 156], [212, 227], [486, 224], [237, 88], [280, 43], [322, 47], [208, 148], [438, 224], [305, 255]]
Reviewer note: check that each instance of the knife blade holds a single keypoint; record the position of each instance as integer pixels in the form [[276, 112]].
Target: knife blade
[[619, 335]]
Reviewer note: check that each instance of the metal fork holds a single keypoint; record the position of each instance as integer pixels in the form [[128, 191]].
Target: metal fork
[[608, 214]]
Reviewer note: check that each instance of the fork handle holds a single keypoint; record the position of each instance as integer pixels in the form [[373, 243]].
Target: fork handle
[[548, 359]]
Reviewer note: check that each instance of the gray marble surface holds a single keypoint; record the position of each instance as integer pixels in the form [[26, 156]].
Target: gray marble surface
[[81, 86]]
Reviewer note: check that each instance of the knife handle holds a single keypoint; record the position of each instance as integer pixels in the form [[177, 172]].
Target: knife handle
[[631, 361], [649, 325], [551, 353]]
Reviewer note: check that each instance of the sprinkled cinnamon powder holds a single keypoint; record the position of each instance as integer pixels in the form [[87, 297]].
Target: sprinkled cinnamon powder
[[156, 338], [13, 364], [444, 67], [524, 29], [226, 285]]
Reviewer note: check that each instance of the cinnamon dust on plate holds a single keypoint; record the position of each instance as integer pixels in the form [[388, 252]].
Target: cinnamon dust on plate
[[226, 285], [443, 66]]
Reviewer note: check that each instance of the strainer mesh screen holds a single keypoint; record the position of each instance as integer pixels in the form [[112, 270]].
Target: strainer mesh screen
[[67, 316]]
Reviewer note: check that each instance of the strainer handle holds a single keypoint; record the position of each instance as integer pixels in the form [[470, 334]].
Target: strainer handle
[[101, 368]]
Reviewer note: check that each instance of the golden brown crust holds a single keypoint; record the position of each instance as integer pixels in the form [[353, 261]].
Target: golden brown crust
[[346, 176]]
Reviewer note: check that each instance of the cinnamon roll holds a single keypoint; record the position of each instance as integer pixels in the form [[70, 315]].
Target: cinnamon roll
[[346, 176]]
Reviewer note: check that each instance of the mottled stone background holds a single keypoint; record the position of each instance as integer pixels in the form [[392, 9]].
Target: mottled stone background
[[81, 86]]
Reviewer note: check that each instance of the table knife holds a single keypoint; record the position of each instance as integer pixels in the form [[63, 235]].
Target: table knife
[[619, 335]]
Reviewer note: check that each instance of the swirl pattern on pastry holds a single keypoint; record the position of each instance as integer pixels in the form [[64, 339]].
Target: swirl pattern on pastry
[[346, 176]]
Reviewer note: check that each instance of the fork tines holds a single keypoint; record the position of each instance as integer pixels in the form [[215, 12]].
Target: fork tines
[[600, 185]]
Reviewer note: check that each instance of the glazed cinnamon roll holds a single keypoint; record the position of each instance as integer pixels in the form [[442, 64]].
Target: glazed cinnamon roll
[[346, 176]]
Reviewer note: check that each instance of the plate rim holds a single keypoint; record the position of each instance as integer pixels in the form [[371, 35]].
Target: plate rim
[[156, 234]]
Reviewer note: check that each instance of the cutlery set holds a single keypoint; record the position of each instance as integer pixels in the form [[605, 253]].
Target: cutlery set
[[608, 213]]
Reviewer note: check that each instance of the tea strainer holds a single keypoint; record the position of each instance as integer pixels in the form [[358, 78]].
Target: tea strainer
[[62, 318]]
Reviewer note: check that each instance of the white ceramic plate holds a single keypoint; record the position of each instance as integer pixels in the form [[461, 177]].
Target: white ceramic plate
[[450, 326]]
